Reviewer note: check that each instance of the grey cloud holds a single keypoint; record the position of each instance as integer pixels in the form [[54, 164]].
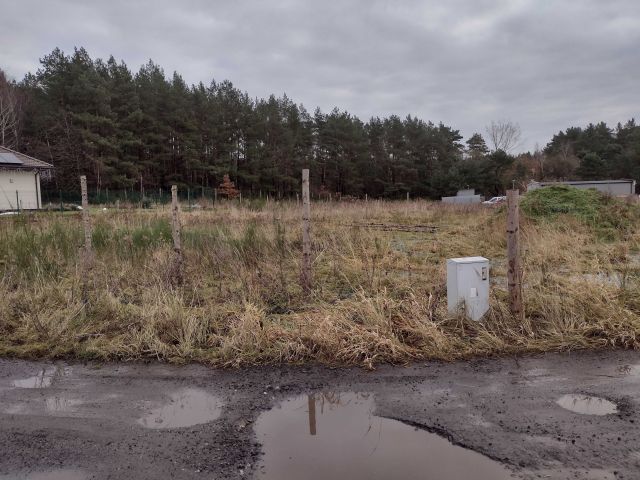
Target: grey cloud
[[546, 65]]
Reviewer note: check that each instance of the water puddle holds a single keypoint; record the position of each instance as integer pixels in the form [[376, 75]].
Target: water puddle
[[60, 474], [186, 407], [330, 435], [43, 379], [587, 405]]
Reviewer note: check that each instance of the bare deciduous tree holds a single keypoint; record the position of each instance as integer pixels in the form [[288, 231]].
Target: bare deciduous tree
[[9, 112], [540, 158], [503, 135]]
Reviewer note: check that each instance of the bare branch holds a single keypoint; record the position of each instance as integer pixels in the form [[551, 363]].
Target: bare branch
[[9, 112], [503, 135]]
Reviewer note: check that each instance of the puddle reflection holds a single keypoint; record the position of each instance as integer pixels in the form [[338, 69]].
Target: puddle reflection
[[43, 379], [629, 370], [330, 435], [60, 403], [587, 405], [186, 407]]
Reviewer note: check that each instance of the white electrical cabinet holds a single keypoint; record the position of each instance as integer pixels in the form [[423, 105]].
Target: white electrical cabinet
[[468, 286]]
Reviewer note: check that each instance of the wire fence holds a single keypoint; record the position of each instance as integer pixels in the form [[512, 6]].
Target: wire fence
[[111, 197]]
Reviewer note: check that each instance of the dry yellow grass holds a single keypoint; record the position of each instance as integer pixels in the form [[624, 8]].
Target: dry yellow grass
[[379, 285]]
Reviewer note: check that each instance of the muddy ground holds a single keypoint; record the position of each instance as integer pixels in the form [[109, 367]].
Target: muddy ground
[[102, 421]]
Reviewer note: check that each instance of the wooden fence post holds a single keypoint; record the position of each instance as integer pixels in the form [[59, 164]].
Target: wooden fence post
[[514, 273], [86, 221], [87, 254], [175, 232], [306, 233]]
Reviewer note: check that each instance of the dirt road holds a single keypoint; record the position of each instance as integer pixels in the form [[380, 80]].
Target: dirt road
[[553, 416]]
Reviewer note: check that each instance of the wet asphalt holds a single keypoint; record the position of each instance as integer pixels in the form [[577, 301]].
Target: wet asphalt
[[557, 416]]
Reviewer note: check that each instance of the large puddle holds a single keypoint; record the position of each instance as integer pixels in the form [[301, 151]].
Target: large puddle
[[587, 405], [325, 436], [185, 408], [43, 379]]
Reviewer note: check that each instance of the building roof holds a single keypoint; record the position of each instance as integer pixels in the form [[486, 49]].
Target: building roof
[[10, 159]]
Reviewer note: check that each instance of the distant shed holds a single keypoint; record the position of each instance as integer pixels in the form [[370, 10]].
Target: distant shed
[[616, 188], [20, 177], [463, 196]]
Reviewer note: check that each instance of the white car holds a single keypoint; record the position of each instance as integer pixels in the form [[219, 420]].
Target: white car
[[495, 201]]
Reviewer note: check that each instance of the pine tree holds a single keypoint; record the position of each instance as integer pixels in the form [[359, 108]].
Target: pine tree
[[476, 146], [592, 167]]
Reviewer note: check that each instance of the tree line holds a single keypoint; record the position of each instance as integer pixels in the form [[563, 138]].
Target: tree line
[[146, 131]]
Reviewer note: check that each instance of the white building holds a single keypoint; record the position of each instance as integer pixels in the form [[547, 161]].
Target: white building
[[20, 180], [463, 196]]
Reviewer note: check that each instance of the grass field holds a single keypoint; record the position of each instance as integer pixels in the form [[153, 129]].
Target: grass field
[[379, 283]]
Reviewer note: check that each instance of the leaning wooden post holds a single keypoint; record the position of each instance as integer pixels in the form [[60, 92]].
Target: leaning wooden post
[[175, 231], [513, 255], [306, 233], [87, 253]]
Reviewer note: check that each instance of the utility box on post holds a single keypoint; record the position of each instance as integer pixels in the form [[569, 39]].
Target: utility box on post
[[468, 284]]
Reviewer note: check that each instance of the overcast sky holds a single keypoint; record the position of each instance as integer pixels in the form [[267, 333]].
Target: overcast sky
[[546, 64]]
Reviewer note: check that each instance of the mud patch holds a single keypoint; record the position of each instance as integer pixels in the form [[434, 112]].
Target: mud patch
[[333, 435], [185, 408], [587, 405]]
